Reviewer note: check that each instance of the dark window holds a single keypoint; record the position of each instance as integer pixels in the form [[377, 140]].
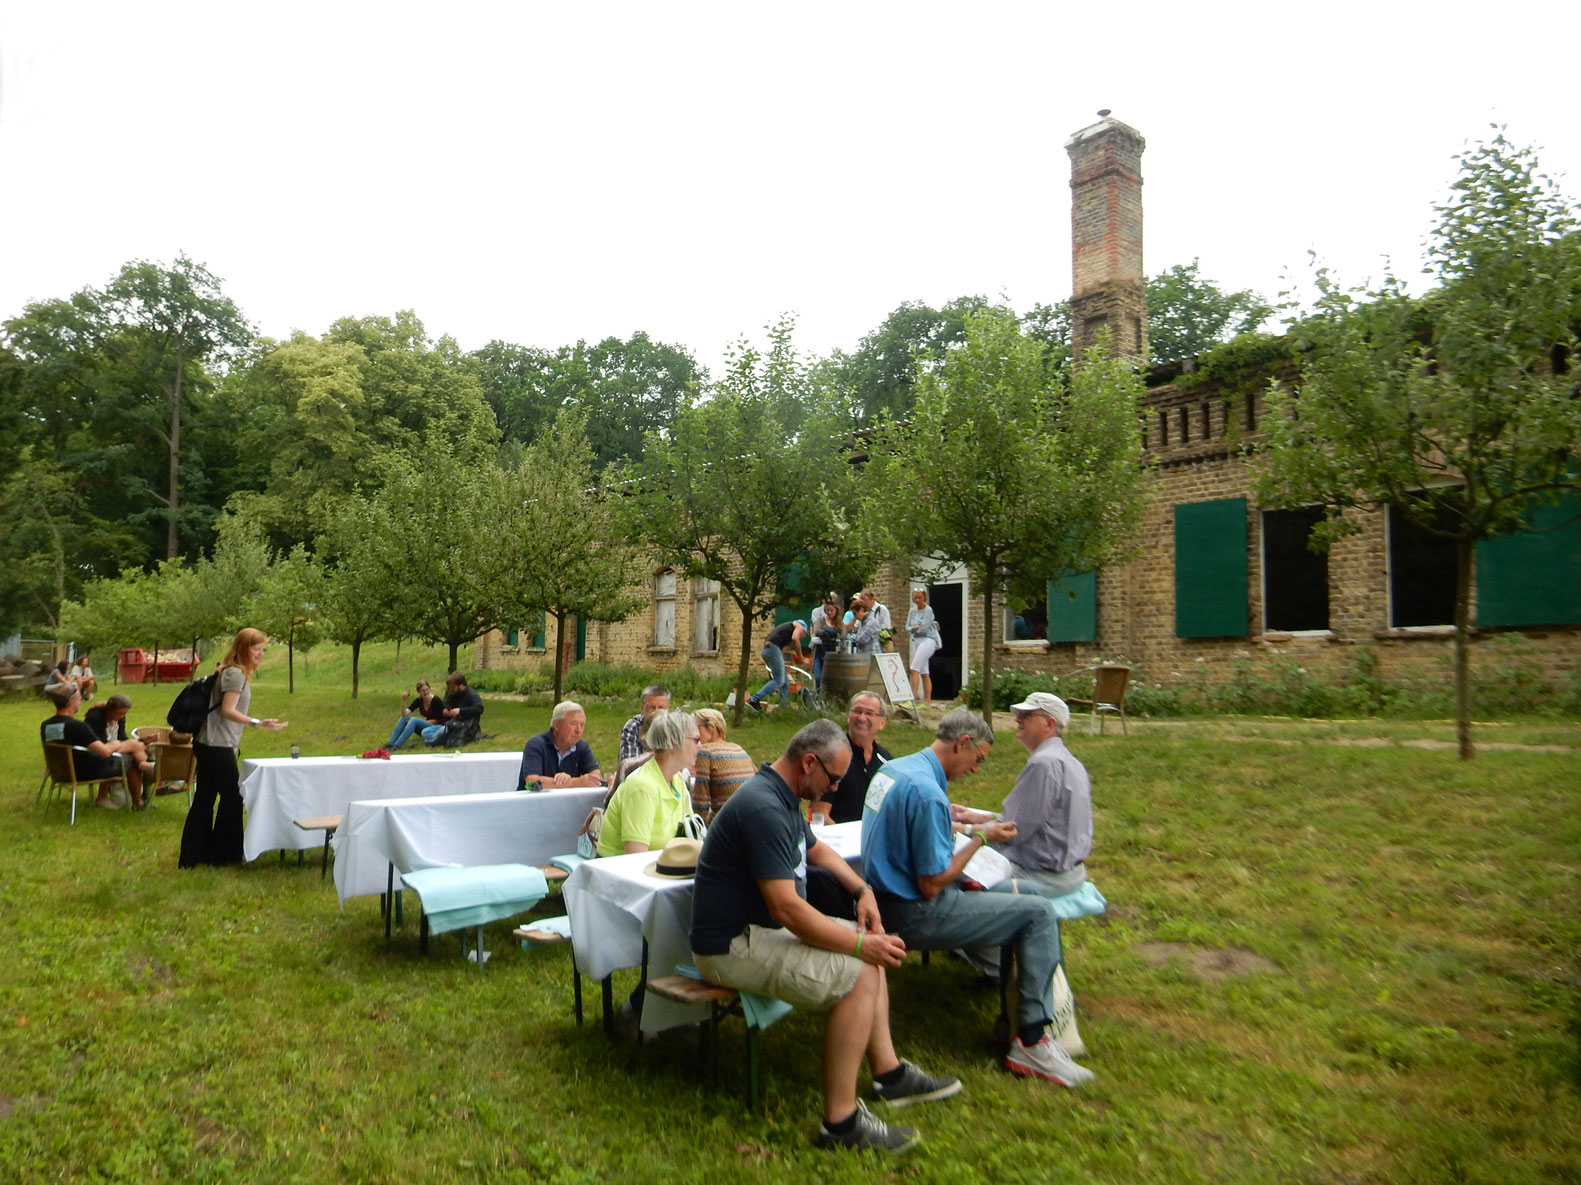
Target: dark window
[[1295, 579], [1185, 426], [1163, 429], [1028, 624], [1421, 574], [1207, 423]]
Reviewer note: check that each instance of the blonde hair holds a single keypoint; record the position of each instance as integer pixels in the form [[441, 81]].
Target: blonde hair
[[240, 653], [713, 717]]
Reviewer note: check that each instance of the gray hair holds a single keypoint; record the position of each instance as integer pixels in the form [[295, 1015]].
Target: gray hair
[[823, 737], [963, 722], [653, 689], [883, 708], [667, 730], [118, 701], [563, 709]]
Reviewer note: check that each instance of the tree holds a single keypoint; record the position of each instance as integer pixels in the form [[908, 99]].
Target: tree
[[574, 558], [1188, 315], [1460, 410], [284, 606], [748, 482], [881, 374], [443, 539], [356, 604], [1010, 474], [160, 326]]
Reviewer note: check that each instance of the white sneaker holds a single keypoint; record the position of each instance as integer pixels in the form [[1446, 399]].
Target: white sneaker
[[1047, 1061]]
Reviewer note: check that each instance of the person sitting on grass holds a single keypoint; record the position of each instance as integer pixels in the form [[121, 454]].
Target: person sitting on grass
[[100, 760], [559, 756], [463, 715], [425, 709]]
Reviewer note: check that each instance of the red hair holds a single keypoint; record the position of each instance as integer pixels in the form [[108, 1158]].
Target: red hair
[[241, 652]]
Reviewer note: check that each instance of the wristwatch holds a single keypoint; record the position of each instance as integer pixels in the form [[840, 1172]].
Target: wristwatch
[[856, 893], [254, 721]]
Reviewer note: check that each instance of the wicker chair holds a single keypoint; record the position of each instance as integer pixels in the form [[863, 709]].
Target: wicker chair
[[1107, 696], [60, 770]]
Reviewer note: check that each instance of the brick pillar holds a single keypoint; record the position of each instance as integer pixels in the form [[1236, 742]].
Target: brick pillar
[[1108, 288]]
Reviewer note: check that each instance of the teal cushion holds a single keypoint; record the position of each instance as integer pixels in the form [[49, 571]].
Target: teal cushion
[[457, 897]]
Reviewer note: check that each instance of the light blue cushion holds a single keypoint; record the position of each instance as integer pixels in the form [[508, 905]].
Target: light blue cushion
[[457, 897], [1082, 903], [569, 862], [560, 925]]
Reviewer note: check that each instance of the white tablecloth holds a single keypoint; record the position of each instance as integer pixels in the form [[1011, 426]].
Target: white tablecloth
[[614, 905], [280, 789], [455, 831]]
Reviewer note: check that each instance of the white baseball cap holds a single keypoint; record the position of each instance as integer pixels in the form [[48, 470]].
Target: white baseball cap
[[1049, 704]]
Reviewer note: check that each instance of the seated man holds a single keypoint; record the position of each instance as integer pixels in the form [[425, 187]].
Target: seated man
[[752, 929], [560, 757], [655, 698], [864, 721], [108, 722], [463, 714], [101, 761], [908, 851]]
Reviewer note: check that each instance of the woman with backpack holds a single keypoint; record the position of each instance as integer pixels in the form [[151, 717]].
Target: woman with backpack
[[210, 837]]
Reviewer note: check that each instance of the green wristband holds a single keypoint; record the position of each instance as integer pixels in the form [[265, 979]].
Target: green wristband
[[857, 953]]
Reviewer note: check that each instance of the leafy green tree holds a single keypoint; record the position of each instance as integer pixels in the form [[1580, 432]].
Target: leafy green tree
[[444, 539], [1188, 315], [881, 374], [748, 481], [1010, 474], [357, 604], [1462, 410], [574, 556], [284, 604]]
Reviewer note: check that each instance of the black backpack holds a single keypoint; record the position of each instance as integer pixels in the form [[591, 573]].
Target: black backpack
[[192, 707]]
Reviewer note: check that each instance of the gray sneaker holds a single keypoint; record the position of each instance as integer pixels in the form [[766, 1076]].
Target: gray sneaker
[[915, 1086], [1047, 1061], [871, 1132]]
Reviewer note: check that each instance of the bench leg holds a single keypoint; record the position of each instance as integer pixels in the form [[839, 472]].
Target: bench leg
[[607, 985], [576, 986], [323, 869], [422, 935], [754, 1085]]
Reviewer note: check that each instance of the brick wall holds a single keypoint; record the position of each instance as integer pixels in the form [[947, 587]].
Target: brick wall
[[1107, 289]]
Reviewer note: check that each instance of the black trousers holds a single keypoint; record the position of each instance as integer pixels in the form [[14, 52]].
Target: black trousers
[[214, 836]]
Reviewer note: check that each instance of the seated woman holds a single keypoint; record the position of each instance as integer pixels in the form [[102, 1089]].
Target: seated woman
[[108, 722], [87, 683], [722, 766], [59, 676], [647, 809], [426, 708]]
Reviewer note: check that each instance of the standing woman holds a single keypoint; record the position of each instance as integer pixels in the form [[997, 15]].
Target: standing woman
[[210, 838], [924, 631]]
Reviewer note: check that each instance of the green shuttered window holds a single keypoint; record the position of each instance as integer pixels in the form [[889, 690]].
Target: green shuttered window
[[1073, 608], [1210, 569], [1533, 577]]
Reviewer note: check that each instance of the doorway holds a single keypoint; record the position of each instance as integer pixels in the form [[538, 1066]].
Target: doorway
[[948, 664]]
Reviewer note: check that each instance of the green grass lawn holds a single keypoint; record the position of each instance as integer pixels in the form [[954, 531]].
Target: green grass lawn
[[1334, 953]]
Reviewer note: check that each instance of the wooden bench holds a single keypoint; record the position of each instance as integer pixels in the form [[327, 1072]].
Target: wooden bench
[[327, 824], [722, 1002]]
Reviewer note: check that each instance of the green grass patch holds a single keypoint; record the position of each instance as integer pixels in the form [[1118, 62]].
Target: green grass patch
[[1334, 953]]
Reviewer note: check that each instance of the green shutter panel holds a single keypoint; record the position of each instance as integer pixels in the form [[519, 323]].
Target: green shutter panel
[[1534, 576], [538, 634], [511, 637], [1210, 569], [1073, 608]]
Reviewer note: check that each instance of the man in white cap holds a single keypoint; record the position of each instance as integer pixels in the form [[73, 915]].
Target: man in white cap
[[1051, 805]]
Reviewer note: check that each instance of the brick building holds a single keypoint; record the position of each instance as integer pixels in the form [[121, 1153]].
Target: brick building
[[1217, 577]]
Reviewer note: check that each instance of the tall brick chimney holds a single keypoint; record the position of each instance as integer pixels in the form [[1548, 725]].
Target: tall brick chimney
[[1108, 288]]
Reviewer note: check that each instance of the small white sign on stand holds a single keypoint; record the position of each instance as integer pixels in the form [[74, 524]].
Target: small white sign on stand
[[888, 676]]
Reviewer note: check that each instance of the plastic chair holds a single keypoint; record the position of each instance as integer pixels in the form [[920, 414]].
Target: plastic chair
[[1108, 695], [60, 770]]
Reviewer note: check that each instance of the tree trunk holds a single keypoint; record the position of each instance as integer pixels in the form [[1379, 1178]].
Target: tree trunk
[[1463, 553], [559, 653], [455, 649], [290, 659], [988, 653], [172, 535], [356, 651], [741, 667], [156, 663]]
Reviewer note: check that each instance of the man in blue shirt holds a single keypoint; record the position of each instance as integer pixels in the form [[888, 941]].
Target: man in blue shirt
[[560, 757], [909, 856]]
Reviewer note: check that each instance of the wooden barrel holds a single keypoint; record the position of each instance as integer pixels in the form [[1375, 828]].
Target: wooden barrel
[[845, 674]]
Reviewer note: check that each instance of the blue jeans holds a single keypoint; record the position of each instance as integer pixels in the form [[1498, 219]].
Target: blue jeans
[[432, 733], [817, 667], [956, 918], [775, 657], [405, 729]]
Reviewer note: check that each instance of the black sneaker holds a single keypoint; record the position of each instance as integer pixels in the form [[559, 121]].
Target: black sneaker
[[915, 1086], [871, 1132]]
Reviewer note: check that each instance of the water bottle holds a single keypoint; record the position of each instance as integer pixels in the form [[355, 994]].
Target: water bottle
[[296, 751]]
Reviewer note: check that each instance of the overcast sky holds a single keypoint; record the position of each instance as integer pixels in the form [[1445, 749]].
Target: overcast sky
[[544, 172]]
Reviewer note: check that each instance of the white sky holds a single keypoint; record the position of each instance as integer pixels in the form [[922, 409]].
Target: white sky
[[544, 172]]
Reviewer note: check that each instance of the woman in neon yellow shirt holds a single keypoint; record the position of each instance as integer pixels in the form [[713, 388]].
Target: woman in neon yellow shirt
[[650, 804]]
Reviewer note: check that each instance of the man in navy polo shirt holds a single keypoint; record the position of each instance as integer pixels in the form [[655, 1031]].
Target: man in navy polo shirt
[[560, 757], [752, 929], [909, 856]]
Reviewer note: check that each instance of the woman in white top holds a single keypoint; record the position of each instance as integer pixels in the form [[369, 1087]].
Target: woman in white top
[[211, 837], [924, 631]]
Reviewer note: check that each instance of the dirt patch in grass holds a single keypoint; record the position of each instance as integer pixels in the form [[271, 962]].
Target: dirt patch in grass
[[1227, 963]]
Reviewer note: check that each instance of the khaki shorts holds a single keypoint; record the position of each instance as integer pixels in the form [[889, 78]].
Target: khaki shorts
[[774, 962]]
